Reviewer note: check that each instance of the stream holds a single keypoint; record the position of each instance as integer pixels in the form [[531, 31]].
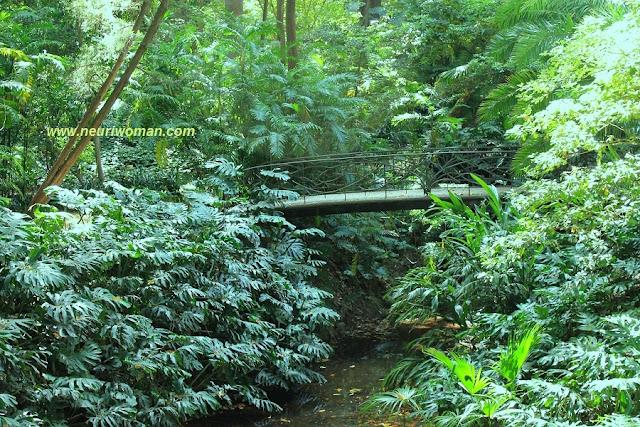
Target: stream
[[351, 379]]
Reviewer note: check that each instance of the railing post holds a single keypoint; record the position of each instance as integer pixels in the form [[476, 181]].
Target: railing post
[[384, 178]]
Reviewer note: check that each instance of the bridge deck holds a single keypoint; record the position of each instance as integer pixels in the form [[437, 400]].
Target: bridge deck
[[383, 200]]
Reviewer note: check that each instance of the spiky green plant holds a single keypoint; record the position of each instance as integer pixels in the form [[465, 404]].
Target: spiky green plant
[[470, 378], [514, 357]]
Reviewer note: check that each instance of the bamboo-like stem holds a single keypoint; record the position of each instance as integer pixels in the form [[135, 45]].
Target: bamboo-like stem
[[72, 150], [39, 196], [97, 147]]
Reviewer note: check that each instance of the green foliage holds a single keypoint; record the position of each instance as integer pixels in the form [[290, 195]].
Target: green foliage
[[516, 354], [438, 35], [418, 70], [486, 400], [528, 30], [470, 379], [367, 247], [34, 40], [130, 309], [223, 79], [394, 402], [446, 285], [566, 276], [564, 258], [584, 100], [141, 307]]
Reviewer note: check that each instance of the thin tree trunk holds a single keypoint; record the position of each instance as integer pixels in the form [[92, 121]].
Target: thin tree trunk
[[281, 31], [366, 13], [71, 153], [265, 14], [292, 46], [234, 6], [39, 197], [97, 148]]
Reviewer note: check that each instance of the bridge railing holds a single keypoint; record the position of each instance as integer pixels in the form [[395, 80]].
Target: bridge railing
[[393, 170]]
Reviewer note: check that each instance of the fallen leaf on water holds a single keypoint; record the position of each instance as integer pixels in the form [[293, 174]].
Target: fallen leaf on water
[[354, 391]]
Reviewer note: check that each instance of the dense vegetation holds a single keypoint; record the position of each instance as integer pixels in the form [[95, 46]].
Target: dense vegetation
[[544, 286], [154, 282], [154, 311]]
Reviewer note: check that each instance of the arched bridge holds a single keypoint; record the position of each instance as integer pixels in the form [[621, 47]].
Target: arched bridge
[[388, 180]]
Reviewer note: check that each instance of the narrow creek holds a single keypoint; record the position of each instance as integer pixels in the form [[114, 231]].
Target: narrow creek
[[351, 379]]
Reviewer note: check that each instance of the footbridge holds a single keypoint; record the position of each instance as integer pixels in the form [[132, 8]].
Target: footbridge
[[386, 180]]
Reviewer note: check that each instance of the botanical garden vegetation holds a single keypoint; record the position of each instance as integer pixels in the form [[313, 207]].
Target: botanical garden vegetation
[[162, 284]]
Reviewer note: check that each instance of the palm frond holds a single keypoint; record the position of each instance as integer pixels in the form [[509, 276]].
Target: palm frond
[[502, 100]]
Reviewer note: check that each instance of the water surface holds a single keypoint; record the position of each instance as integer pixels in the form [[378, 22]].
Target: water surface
[[350, 381]]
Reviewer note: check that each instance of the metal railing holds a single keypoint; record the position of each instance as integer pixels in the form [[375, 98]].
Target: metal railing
[[392, 170]]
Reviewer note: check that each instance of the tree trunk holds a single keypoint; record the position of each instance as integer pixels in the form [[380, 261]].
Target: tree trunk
[[364, 12], [281, 32], [40, 197], [369, 12], [72, 151], [234, 6], [97, 148], [292, 46], [265, 14]]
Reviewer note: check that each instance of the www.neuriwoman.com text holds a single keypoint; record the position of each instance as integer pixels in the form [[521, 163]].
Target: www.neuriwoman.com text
[[121, 132]]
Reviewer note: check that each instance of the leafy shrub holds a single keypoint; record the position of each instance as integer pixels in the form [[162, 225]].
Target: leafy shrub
[[569, 257], [367, 247], [128, 309]]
